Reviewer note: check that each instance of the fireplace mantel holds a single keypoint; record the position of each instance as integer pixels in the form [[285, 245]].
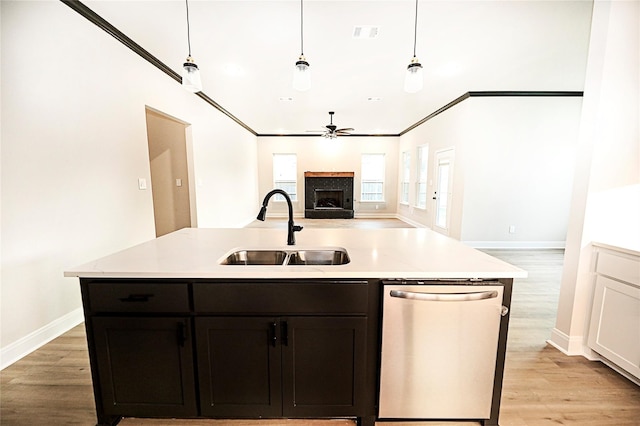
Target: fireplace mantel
[[328, 174]]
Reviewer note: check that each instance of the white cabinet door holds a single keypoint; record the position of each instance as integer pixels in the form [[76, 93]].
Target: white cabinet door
[[615, 323]]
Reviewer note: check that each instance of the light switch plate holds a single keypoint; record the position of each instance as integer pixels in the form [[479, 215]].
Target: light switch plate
[[142, 183]]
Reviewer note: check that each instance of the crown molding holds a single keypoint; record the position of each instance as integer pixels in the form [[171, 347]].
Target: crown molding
[[96, 19], [101, 23]]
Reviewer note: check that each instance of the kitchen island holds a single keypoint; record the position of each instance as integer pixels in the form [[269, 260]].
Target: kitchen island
[[174, 333]]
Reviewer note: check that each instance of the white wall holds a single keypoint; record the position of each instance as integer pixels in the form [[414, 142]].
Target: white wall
[[519, 165], [317, 154], [514, 165], [74, 144], [605, 204], [447, 130]]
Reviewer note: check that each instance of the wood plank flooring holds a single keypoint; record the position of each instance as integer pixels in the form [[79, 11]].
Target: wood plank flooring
[[281, 223], [542, 386], [52, 386]]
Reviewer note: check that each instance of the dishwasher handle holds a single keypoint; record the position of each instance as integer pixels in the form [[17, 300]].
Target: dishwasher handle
[[444, 297]]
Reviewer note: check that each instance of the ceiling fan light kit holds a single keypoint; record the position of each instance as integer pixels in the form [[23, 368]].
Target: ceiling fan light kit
[[332, 131], [190, 72]]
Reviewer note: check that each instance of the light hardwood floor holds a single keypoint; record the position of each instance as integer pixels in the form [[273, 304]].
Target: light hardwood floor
[[281, 223], [52, 386]]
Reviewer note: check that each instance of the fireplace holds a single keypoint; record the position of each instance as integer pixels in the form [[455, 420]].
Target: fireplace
[[328, 199], [328, 195]]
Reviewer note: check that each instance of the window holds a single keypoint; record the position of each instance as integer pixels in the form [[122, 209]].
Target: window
[[284, 175], [372, 177], [421, 193], [406, 174]]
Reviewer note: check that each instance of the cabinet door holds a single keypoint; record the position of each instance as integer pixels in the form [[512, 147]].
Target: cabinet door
[[239, 366], [145, 366], [615, 323], [323, 373]]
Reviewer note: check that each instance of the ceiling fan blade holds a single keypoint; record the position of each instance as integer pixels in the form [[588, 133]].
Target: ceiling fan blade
[[348, 129]]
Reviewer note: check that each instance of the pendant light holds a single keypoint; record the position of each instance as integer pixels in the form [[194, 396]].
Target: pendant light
[[413, 79], [190, 72], [302, 72]]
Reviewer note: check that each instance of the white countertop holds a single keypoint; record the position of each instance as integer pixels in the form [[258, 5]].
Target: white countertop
[[411, 253]]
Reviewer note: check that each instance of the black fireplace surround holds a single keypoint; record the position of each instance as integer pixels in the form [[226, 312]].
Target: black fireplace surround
[[328, 195]]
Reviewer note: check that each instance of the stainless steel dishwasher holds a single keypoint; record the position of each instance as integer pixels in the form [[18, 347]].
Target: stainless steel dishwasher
[[439, 346]]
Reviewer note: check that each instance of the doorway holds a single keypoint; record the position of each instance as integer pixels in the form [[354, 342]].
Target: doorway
[[443, 194], [171, 186]]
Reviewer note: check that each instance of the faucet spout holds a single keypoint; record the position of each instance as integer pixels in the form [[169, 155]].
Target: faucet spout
[[291, 239]]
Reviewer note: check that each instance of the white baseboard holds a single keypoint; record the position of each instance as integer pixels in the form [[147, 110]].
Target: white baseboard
[[516, 244], [371, 215], [410, 222], [620, 370], [29, 343], [574, 346], [568, 345]]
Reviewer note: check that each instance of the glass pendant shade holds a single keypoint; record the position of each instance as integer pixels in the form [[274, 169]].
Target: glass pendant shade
[[302, 75], [413, 79], [191, 76]]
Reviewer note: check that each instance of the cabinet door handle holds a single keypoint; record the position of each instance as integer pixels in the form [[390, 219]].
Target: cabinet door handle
[[285, 333], [182, 333], [137, 298], [274, 338]]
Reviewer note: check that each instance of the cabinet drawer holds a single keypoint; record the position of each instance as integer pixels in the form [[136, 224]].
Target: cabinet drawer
[[281, 298], [619, 267], [138, 297]]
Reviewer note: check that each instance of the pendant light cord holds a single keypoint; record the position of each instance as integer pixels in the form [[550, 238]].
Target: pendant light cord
[[415, 31], [188, 33], [301, 29]]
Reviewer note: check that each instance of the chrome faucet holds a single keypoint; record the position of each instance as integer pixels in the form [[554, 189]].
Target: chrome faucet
[[291, 239]]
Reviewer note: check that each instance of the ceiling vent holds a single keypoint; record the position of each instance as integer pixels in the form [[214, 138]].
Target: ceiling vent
[[365, 31]]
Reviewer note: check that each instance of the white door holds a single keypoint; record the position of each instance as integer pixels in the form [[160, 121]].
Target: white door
[[443, 191]]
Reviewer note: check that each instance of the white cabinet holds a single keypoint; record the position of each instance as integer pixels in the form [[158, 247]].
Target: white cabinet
[[614, 332]]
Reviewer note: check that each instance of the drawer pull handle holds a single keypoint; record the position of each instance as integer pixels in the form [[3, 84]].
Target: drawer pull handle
[[137, 298]]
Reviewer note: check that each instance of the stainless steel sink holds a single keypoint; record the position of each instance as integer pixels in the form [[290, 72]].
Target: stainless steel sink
[[320, 256], [255, 257]]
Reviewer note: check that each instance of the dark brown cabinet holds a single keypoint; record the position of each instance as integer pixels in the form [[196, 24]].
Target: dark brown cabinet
[[145, 366], [231, 348], [281, 366], [322, 366], [239, 367]]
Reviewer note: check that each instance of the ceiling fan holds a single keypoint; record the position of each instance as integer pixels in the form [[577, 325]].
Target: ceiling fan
[[332, 131]]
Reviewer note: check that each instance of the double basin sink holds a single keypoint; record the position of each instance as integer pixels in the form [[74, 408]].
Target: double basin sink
[[324, 256]]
